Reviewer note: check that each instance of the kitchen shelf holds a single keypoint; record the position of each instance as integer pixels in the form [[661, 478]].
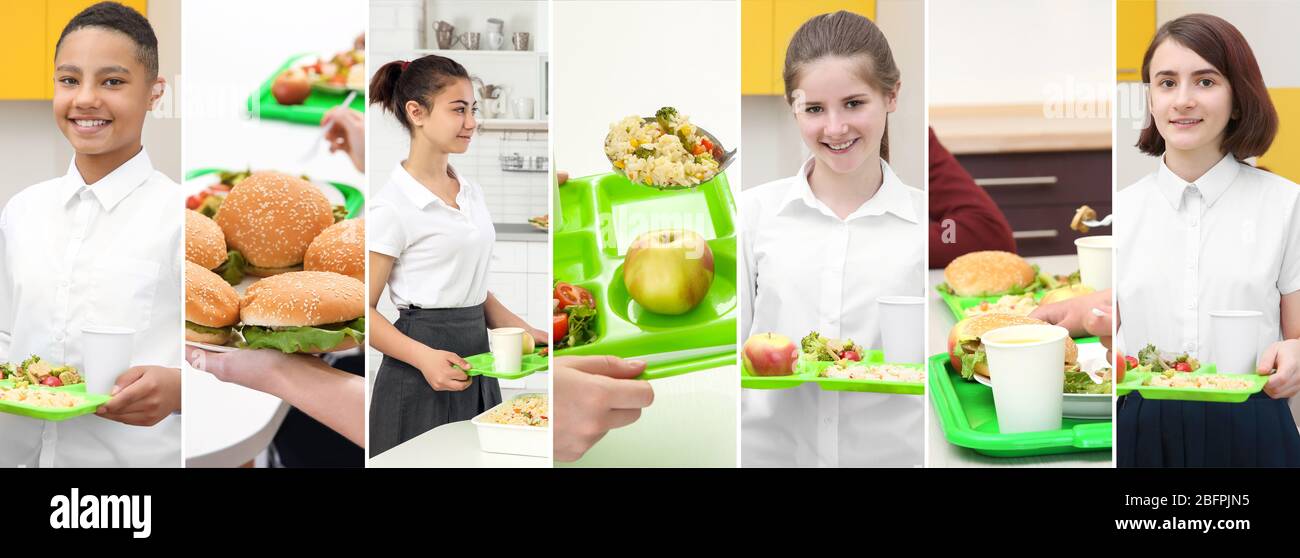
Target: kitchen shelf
[[504, 53], [513, 124]]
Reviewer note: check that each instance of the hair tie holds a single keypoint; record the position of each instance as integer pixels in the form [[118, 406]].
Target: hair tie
[[405, 63]]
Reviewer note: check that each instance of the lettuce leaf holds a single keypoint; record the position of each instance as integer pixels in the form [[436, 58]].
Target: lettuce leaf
[[969, 361], [306, 339], [582, 325], [233, 270]]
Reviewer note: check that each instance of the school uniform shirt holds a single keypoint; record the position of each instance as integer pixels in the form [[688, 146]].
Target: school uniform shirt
[[1229, 240], [442, 252], [74, 255], [807, 270]]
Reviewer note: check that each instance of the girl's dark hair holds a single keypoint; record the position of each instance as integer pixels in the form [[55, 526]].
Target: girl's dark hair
[[1254, 123], [124, 20], [847, 35], [398, 82]]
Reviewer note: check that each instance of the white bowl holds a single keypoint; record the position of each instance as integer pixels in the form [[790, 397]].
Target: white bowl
[[513, 439]]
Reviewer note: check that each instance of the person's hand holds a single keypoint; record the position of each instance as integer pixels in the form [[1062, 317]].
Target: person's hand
[[593, 395], [253, 369], [1283, 356], [561, 177], [143, 396], [346, 132], [439, 369], [540, 337], [1076, 314]]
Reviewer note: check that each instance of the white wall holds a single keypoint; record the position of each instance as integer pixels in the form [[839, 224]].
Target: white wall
[[34, 150], [513, 197], [1274, 48], [1010, 51], [770, 140], [604, 71]]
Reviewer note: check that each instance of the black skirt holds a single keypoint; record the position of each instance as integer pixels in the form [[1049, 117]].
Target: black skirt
[[403, 405], [1259, 432]]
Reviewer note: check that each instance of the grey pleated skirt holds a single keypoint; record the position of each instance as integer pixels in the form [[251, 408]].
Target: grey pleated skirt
[[403, 405]]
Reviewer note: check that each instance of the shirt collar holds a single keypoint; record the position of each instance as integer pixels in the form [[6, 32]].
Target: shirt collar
[[418, 194], [1212, 184], [892, 197], [111, 189]]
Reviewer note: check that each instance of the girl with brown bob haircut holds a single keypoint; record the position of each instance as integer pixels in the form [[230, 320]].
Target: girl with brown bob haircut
[[1205, 242]]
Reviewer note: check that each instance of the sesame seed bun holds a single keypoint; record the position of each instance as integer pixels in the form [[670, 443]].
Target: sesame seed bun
[[972, 328], [303, 298], [341, 249], [987, 272], [205, 244], [271, 218], [209, 302]]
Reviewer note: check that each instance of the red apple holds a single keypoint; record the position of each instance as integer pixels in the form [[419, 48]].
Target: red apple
[[668, 271], [769, 354], [291, 87]]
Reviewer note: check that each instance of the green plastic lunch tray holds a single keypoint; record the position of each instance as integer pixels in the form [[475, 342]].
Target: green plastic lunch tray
[[262, 104], [353, 200], [958, 305], [807, 371], [967, 415], [481, 365], [804, 371], [1133, 382], [92, 402], [601, 215]]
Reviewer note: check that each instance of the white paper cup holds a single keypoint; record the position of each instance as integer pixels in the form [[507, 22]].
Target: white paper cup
[[106, 354], [1234, 340], [507, 344], [1095, 256], [1026, 368], [902, 328]]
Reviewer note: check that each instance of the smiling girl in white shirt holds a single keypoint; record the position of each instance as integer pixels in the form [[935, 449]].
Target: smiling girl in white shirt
[[430, 241], [1206, 232], [821, 246]]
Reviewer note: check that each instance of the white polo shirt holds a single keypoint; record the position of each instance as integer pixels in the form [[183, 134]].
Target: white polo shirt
[[1229, 240], [807, 270], [108, 254], [441, 252]]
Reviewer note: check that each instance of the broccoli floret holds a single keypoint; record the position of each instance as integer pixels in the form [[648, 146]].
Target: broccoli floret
[[6, 370], [812, 344], [666, 117]]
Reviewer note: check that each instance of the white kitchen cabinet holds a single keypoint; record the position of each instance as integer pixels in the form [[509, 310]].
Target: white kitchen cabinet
[[509, 257]]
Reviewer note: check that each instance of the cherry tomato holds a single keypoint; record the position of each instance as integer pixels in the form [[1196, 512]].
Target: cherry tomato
[[569, 295], [851, 355], [52, 381], [193, 202], [1183, 367], [560, 325], [1132, 362]]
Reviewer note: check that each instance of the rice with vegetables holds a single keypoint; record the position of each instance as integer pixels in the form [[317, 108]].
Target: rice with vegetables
[[882, 372], [525, 410], [40, 398], [669, 151]]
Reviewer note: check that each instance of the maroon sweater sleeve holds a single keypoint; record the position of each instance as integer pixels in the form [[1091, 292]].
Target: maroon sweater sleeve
[[976, 222]]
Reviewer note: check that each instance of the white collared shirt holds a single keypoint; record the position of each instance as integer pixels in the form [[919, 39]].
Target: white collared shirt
[[441, 252], [73, 255], [808, 270], [1228, 241]]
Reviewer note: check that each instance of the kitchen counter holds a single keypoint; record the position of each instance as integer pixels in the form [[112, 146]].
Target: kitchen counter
[[939, 452], [451, 445], [965, 130], [520, 232]]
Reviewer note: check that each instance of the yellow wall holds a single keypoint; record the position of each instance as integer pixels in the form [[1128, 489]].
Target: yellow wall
[[29, 30], [1283, 156], [765, 30]]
